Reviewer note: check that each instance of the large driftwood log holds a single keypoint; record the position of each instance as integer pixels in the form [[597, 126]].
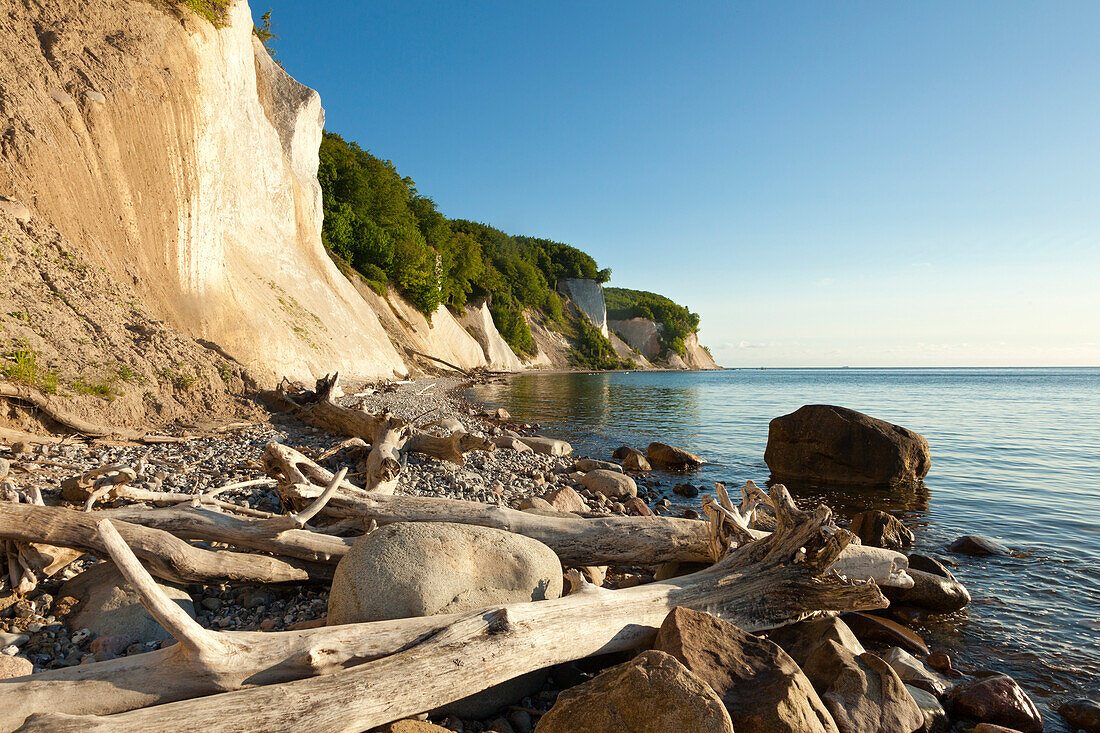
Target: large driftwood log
[[168, 556], [577, 542], [760, 585]]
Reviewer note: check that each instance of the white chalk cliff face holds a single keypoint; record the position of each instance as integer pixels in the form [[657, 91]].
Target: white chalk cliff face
[[183, 160], [587, 295]]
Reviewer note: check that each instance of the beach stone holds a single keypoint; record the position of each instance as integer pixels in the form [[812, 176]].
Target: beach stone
[[412, 725], [110, 646], [913, 672], [546, 446], [972, 544], [685, 490], [835, 445], [508, 441], [929, 564], [565, 499], [802, 639], [634, 505], [879, 529], [584, 465], [609, 483], [623, 451], [991, 728], [109, 607], [861, 691], [635, 461], [13, 639], [1082, 714], [933, 592], [502, 414], [761, 686], [14, 667], [426, 568], [935, 717], [663, 455], [875, 628], [594, 574], [996, 699], [653, 693], [537, 503]]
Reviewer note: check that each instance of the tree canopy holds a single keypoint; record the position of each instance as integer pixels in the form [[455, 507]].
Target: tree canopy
[[677, 321]]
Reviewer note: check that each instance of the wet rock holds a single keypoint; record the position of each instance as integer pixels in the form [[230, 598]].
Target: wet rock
[[623, 451], [14, 667], [761, 686], [422, 569], [800, 640], [929, 564], [990, 728], [690, 514], [1082, 714], [935, 717], [663, 455], [875, 628], [996, 699], [635, 461], [584, 465], [913, 672], [940, 661], [835, 445], [879, 529], [609, 483], [933, 592], [909, 615], [972, 544], [565, 499], [685, 490], [109, 607], [653, 693]]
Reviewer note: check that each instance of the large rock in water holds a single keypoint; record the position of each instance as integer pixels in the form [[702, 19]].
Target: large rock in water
[[663, 455], [760, 685], [427, 568], [996, 699], [834, 445], [653, 693], [934, 592], [878, 529], [110, 607]]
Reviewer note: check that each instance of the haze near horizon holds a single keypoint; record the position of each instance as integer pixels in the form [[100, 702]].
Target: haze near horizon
[[862, 185]]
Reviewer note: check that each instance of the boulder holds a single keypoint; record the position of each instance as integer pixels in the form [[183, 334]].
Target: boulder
[[547, 446], [1082, 714], [761, 686], [929, 564], [427, 568], [609, 483], [879, 529], [933, 592], [935, 717], [653, 693], [502, 414], [663, 455], [109, 607], [635, 505], [14, 667], [623, 451], [972, 544], [995, 699], [565, 499], [826, 444], [867, 627], [913, 672], [536, 503], [635, 461], [584, 465], [685, 490], [862, 692], [800, 640]]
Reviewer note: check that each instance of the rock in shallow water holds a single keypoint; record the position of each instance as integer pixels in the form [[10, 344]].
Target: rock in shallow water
[[653, 693], [1082, 714], [834, 445], [972, 544], [930, 591], [996, 699], [663, 455], [935, 717], [879, 529]]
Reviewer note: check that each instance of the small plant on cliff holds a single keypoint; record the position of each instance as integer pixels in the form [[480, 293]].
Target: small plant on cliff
[[211, 10], [265, 32], [22, 366]]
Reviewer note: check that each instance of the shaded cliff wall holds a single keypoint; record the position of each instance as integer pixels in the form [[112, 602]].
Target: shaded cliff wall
[[181, 160], [587, 295]]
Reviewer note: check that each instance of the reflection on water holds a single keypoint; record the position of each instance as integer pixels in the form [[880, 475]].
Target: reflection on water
[[1015, 456]]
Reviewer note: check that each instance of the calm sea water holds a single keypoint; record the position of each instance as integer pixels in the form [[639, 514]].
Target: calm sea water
[[1015, 457]]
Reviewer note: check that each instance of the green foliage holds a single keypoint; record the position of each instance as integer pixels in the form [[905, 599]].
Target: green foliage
[[102, 388], [678, 321], [211, 10], [592, 350], [265, 31], [21, 365]]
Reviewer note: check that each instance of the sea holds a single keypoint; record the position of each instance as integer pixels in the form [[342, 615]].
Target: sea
[[1015, 457]]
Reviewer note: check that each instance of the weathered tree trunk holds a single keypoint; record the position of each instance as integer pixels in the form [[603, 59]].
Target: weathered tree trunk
[[577, 542], [383, 465], [760, 585], [168, 556]]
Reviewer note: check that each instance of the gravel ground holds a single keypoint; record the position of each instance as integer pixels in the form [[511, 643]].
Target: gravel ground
[[33, 627]]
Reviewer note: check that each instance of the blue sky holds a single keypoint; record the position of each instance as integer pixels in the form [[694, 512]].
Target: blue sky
[[864, 184]]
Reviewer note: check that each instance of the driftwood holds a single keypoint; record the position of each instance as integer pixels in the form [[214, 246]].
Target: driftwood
[[760, 585], [577, 542], [168, 556]]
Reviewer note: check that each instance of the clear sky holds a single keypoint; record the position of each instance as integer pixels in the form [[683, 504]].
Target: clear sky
[[848, 183]]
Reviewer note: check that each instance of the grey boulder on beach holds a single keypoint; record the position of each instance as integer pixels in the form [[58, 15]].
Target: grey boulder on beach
[[834, 445]]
